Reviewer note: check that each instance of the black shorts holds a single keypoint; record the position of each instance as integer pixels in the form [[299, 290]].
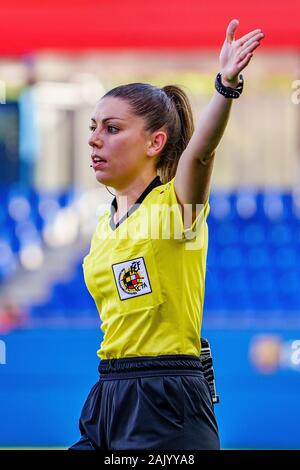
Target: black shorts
[[161, 403]]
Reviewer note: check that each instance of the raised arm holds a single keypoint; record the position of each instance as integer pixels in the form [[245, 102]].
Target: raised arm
[[192, 179]]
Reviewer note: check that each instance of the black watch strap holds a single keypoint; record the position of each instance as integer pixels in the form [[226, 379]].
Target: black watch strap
[[227, 91]]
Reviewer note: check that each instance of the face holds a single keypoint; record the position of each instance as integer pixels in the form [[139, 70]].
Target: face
[[118, 138]]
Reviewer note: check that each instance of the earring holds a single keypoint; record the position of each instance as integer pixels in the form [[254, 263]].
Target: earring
[[110, 191]]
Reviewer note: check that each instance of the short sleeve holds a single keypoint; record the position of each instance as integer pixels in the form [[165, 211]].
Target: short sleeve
[[183, 228]]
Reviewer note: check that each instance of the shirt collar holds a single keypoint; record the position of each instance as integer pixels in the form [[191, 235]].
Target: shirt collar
[[114, 205]]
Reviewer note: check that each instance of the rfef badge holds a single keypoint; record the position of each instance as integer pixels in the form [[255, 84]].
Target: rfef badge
[[131, 278]]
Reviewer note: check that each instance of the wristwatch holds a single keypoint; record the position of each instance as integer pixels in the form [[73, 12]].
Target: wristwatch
[[227, 91]]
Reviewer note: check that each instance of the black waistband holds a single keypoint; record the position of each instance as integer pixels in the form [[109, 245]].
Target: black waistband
[[149, 363]]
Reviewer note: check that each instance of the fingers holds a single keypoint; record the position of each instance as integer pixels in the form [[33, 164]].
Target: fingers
[[251, 45], [245, 61], [255, 37], [245, 52], [231, 29], [244, 39]]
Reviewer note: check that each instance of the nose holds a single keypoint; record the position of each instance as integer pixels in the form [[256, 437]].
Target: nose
[[95, 140]]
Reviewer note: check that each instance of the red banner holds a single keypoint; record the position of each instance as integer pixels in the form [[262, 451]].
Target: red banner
[[31, 25]]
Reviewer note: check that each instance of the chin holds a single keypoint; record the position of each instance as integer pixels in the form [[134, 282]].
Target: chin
[[102, 178]]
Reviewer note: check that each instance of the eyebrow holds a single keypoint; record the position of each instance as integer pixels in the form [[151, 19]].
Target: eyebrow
[[107, 119]]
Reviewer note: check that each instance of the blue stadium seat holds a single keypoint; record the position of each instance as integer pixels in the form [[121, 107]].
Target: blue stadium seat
[[280, 234], [274, 207], [285, 258], [236, 291], [246, 205], [220, 207], [257, 258], [288, 285], [253, 234], [230, 258], [263, 291], [214, 296], [227, 234]]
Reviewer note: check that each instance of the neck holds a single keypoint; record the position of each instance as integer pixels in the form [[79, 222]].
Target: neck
[[129, 194]]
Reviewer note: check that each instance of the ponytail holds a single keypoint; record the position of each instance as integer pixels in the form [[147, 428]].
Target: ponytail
[[179, 136]]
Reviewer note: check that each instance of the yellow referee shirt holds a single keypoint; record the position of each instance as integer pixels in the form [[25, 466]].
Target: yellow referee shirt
[[147, 276]]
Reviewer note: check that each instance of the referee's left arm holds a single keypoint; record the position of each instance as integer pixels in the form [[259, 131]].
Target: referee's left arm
[[194, 169]]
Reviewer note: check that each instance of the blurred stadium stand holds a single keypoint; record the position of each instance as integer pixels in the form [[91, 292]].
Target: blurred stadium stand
[[253, 259], [42, 241]]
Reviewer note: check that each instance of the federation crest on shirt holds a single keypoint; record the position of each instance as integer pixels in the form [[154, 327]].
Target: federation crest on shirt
[[131, 278]]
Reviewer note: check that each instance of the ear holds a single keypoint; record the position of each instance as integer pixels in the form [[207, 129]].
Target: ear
[[156, 143]]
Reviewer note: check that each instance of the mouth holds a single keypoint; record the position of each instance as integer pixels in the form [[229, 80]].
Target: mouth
[[97, 162], [97, 159]]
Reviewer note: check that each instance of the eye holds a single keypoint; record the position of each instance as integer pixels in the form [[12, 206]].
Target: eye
[[112, 127], [92, 128]]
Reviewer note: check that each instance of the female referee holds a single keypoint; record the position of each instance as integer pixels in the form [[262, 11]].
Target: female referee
[[149, 290]]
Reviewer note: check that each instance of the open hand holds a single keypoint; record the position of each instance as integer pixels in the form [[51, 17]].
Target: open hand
[[236, 54]]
